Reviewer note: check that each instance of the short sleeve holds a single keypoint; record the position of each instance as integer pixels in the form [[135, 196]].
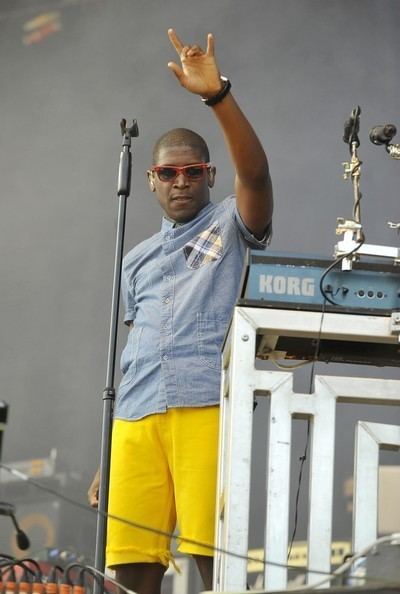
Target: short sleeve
[[128, 298], [249, 237]]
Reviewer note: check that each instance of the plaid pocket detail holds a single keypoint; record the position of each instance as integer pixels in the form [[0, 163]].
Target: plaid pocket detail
[[204, 248]]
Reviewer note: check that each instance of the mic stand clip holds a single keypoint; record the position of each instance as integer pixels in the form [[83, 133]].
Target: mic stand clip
[[394, 151]]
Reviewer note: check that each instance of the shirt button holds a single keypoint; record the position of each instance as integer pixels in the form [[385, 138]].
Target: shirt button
[[166, 300], [165, 357]]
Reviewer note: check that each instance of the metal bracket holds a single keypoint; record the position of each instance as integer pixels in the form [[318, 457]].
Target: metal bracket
[[395, 323]]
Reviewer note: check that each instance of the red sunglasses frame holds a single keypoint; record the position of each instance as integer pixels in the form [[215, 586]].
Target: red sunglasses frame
[[178, 170]]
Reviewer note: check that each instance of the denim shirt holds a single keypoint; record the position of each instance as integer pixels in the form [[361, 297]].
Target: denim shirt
[[179, 288]]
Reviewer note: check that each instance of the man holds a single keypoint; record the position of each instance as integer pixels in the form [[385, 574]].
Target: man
[[179, 287]]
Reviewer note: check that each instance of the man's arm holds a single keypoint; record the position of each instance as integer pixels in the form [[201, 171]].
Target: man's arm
[[200, 75]]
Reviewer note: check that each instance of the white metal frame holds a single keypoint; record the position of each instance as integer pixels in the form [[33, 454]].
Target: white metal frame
[[370, 438], [240, 381]]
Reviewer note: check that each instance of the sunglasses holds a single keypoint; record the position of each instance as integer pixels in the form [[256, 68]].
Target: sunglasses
[[168, 173]]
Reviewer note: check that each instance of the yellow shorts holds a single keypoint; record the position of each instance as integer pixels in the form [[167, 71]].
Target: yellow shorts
[[163, 474]]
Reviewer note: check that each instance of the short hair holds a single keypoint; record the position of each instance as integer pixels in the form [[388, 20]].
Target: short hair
[[181, 137]]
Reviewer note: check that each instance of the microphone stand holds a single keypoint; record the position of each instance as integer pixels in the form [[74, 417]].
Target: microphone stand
[[351, 228], [353, 245], [3, 421], [124, 184]]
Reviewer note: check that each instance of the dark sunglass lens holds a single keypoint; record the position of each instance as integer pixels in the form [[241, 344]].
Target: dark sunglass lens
[[194, 172], [166, 173]]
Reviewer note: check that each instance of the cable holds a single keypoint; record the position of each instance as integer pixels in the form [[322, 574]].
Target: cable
[[331, 266], [109, 578], [288, 367], [303, 458], [88, 508], [20, 563], [340, 570], [86, 569], [328, 575]]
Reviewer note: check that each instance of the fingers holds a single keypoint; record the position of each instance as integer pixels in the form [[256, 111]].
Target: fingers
[[93, 498], [194, 50], [93, 492], [210, 44], [176, 70], [94, 502], [190, 51], [176, 42]]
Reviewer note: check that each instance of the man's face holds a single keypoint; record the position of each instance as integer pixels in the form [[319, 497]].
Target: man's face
[[181, 198]]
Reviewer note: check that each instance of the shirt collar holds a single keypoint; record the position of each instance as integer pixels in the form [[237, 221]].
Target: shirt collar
[[168, 224]]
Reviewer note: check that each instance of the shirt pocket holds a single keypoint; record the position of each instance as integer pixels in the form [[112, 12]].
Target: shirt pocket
[[205, 247], [130, 354], [211, 330]]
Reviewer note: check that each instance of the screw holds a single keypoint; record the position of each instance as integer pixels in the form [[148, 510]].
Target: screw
[[245, 338]]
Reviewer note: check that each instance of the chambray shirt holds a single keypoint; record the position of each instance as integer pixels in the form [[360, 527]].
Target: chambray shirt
[[179, 288]]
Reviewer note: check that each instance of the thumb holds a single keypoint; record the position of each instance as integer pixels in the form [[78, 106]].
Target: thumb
[[177, 71]]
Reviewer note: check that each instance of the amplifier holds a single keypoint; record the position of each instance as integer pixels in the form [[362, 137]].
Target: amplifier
[[289, 286], [287, 280]]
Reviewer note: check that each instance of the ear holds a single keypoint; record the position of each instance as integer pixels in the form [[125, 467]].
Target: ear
[[211, 176], [150, 179]]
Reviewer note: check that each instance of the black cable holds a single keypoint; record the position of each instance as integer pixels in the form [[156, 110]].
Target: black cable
[[171, 535], [96, 578], [331, 266], [303, 458], [216, 549]]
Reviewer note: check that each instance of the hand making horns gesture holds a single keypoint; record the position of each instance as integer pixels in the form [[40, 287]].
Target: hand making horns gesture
[[199, 73]]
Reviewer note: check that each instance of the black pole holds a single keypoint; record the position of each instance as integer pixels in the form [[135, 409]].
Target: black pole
[[124, 183], [3, 421]]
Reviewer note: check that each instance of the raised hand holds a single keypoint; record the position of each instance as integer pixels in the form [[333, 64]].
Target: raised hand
[[199, 73]]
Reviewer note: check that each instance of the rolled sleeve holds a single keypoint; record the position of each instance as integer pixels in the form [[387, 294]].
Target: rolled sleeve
[[248, 235]]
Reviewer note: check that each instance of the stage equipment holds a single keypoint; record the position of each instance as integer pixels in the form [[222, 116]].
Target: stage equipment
[[353, 245], [306, 307], [360, 286], [123, 191], [383, 135], [285, 281]]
